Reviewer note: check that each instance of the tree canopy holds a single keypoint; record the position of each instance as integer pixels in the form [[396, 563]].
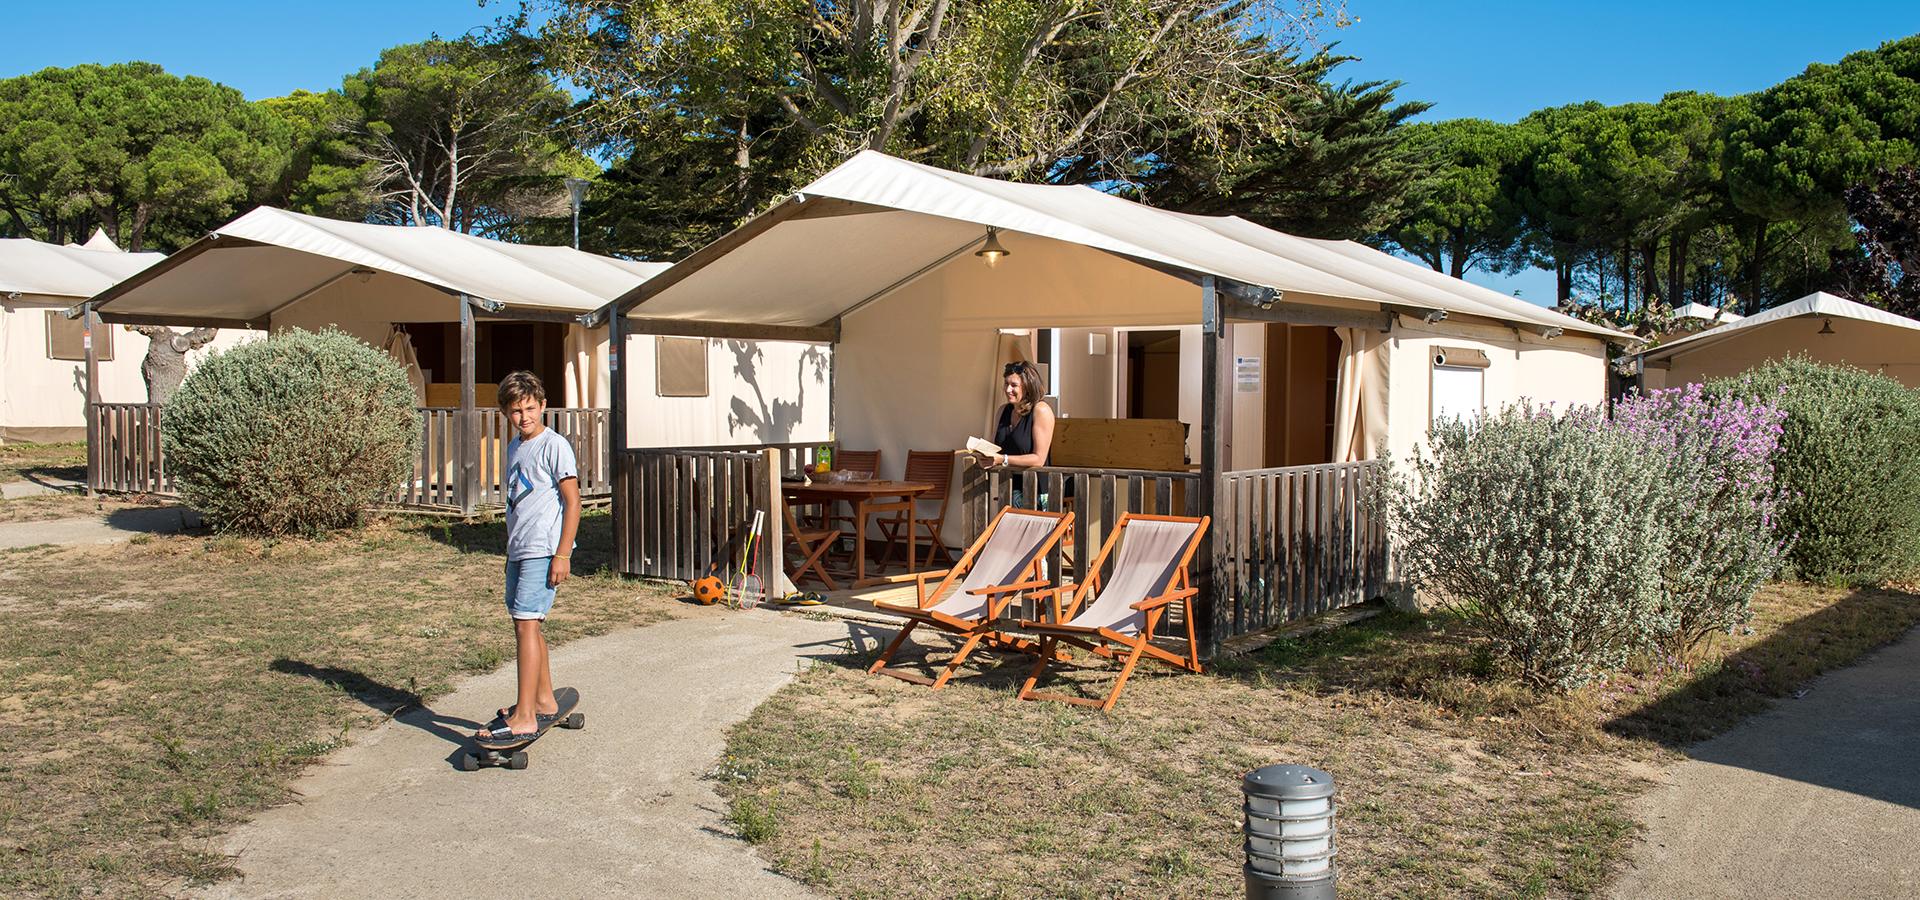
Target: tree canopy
[[152, 158]]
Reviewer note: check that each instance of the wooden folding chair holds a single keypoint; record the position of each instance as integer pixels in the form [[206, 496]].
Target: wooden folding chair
[[933, 467], [812, 544], [1149, 575], [1006, 561]]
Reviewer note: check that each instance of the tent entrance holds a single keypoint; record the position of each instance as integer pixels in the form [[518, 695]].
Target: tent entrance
[[1302, 383], [499, 348], [1153, 375]]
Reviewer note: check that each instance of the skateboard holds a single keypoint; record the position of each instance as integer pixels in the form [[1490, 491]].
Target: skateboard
[[514, 756]]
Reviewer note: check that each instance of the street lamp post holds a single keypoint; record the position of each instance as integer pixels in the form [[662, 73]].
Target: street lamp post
[[576, 194]]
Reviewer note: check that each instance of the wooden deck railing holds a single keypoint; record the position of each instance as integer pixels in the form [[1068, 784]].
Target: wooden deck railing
[[1295, 542], [680, 507], [124, 454], [123, 449]]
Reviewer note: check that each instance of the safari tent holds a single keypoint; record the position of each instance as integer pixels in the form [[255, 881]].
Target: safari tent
[[459, 312], [1290, 366], [43, 382], [1819, 326]]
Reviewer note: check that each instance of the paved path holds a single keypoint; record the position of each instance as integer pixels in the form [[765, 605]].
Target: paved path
[[619, 809], [1818, 797], [119, 525]]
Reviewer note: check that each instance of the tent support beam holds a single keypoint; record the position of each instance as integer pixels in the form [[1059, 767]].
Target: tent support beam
[[182, 321], [94, 453], [617, 440], [1307, 314], [813, 334], [1216, 456]]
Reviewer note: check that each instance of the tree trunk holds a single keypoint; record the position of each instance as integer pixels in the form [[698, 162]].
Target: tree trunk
[[1650, 273], [1562, 281], [166, 363], [1756, 267], [1457, 266], [1677, 266], [1626, 278]]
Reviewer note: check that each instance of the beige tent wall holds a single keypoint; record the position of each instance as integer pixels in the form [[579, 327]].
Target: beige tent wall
[[758, 392], [1565, 371], [46, 399], [1085, 382], [1889, 350], [914, 366]]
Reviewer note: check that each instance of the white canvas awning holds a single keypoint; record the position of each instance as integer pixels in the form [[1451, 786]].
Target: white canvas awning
[[34, 273], [877, 222], [269, 259], [1817, 305]]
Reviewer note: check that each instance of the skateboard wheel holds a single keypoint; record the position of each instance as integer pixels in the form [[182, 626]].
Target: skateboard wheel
[[577, 720], [469, 762], [517, 761]]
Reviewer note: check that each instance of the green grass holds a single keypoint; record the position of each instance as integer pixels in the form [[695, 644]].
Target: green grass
[[155, 695], [1454, 781]]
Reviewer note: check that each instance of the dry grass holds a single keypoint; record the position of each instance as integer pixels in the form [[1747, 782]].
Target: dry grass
[[19, 462], [1453, 781], [154, 694], [66, 460]]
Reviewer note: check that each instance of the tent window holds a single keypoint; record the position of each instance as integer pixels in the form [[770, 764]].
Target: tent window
[[680, 366], [1459, 384], [66, 338]]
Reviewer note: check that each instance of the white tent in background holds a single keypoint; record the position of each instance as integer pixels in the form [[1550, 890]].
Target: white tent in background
[[42, 361], [455, 297], [1705, 313], [1820, 326]]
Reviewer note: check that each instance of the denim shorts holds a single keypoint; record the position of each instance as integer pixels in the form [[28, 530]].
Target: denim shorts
[[528, 594]]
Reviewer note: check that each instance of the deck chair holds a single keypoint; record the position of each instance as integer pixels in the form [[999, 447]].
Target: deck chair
[[1006, 561], [933, 467], [1149, 575]]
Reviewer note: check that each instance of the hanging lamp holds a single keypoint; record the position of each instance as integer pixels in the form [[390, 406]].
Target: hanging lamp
[[991, 251]]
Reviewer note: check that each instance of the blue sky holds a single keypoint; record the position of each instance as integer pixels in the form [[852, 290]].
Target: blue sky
[[1494, 60]]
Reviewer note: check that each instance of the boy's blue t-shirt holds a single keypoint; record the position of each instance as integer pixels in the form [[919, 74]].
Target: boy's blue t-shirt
[[535, 513]]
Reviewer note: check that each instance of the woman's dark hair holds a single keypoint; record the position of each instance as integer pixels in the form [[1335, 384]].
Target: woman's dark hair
[[1030, 387]]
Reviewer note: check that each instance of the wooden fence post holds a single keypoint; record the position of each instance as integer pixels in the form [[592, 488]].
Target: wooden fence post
[[90, 326], [772, 537], [469, 466]]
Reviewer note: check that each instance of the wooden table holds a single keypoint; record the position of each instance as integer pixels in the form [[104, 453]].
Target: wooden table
[[866, 498]]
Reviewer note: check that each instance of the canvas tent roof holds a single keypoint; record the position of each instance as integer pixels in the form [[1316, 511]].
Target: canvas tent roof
[[45, 274], [876, 221], [268, 258], [1813, 305]]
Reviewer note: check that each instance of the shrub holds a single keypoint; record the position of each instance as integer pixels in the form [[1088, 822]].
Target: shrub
[[1849, 462], [295, 433], [1721, 527], [1542, 529]]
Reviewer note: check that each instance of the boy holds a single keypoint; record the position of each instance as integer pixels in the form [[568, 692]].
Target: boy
[[543, 513]]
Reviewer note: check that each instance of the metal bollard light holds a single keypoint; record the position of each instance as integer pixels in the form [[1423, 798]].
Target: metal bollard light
[[1289, 829]]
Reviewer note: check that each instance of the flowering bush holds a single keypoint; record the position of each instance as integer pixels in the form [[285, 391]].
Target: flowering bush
[[1722, 515], [1575, 542], [1849, 462], [1544, 530]]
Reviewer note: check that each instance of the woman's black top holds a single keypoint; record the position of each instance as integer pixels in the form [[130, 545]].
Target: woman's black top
[[1016, 437]]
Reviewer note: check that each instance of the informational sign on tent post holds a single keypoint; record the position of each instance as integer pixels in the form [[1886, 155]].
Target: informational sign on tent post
[[1246, 374]]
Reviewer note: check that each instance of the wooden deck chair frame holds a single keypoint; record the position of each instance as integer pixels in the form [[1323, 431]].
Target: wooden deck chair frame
[[1107, 642], [972, 632]]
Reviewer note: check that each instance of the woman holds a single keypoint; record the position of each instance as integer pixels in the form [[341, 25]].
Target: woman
[[1024, 430]]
